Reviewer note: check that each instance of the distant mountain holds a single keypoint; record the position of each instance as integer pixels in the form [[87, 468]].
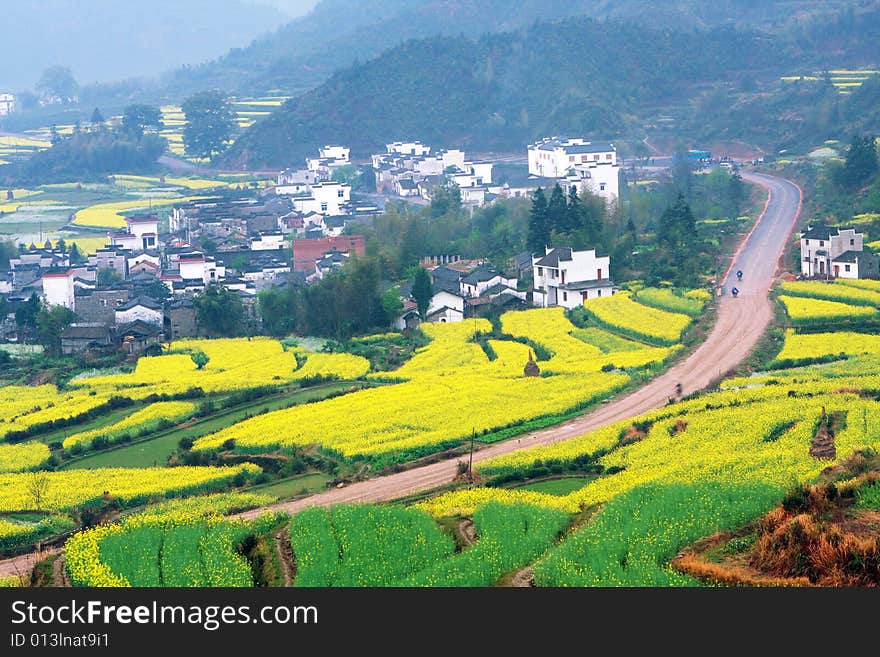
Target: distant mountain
[[102, 40], [608, 79], [578, 76], [336, 33]]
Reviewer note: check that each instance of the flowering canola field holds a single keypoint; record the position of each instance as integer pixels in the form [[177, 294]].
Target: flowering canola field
[[451, 389]]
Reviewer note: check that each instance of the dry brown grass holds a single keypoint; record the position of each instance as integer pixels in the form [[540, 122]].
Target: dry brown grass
[[815, 538]]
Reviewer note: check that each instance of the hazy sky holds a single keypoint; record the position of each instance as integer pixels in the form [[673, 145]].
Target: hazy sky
[[107, 40], [292, 7]]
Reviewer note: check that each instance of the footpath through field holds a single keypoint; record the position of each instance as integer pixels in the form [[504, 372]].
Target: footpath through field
[[739, 324]]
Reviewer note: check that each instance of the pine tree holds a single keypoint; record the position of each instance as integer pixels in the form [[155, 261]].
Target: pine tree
[[75, 256], [539, 226], [557, 210], [422, 290], [861, 161], [97, 118]]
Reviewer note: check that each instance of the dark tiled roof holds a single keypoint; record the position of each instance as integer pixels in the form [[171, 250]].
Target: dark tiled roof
[[819, 232], [552, 259], [140, 329], [480, 276], [587, 285], [856, 256], [85, 332], [498, 288], [146, 302], [445, 273]]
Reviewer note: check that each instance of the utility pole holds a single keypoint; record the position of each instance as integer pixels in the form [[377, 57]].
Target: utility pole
[[471, 457]]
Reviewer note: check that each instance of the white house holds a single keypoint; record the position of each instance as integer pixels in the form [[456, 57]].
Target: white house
[[408, 148], [331, 260], [327, 198], [563, 277], [329, 158], [290, 177], [829, 252], [144, 261], [125, 240], [590, 165], [7, 104], [446, 307], [477, 282], [140, 308], [145, 228], [267, 241], [196, 266], [58, 287]]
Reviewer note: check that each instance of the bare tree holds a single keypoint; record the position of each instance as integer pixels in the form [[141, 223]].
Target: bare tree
[[38, 486]]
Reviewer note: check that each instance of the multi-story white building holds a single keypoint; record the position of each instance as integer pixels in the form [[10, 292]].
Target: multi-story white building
[[329, 158], [588, 165], [7, 104], [829, 252], [197, 266], [141, 234], [564, 277], [327, 198], [58, 288]]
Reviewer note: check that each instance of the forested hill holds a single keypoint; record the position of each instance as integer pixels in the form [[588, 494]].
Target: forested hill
[[578, 76], [336, 33]]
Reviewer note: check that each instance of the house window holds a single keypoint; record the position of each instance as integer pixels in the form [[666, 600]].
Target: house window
[[340, 193], [565, 296], [607, 156], [846, 268], [552, 273], [596, 157], [852, 242], [599, 274], [540, 271], [571, 158], [821, 243], [583, 158], [601, 187], [599, 293], [807, 242], [323, 207]]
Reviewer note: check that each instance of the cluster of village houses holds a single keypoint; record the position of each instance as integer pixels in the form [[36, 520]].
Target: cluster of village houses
[[294, 233]]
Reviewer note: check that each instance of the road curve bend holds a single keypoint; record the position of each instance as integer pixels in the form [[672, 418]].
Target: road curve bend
[[739, 324]]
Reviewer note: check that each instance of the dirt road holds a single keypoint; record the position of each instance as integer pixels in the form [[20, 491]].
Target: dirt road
[[739, 324]]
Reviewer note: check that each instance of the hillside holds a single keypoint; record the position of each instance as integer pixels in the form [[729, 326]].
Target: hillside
[[144, 40], [503, 90], [306, 51]]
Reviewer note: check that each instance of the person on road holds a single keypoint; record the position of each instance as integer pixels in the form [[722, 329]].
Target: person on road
[[735, 291]]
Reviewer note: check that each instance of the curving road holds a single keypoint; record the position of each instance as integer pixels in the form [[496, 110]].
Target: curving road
[[739, 324]]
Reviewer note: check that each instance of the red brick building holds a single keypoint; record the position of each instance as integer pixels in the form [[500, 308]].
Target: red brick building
[[308, 251]]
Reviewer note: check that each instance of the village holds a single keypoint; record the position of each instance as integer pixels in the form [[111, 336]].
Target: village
[[138, 289]]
